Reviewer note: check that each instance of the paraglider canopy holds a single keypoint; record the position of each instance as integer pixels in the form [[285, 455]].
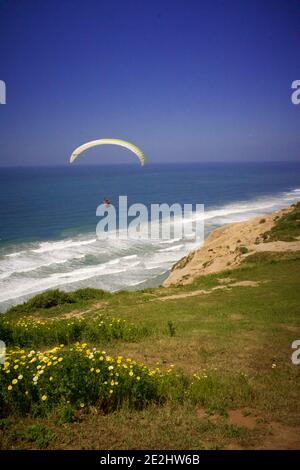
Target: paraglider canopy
[[122, 143]]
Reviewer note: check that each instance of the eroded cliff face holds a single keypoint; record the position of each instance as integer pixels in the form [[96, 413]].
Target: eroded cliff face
[[227, 246]]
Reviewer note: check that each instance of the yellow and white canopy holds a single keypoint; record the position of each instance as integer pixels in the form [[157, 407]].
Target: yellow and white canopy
[[121, 143]]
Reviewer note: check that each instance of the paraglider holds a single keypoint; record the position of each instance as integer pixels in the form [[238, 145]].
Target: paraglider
[[106, 202], [122, 143]]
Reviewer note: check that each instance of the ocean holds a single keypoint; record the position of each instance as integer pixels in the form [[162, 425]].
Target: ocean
[[48, 219]]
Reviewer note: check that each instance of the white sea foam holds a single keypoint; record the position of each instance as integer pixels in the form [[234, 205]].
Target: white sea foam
[[16, 268], [62, 245], [155, 266], [137, 283], [54, 280], [174, 240], [16, 253], [172, 248]]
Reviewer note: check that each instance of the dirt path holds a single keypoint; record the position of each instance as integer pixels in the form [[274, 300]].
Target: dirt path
[[204, 292]]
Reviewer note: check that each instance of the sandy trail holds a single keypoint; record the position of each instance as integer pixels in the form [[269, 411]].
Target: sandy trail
[[203, 291]]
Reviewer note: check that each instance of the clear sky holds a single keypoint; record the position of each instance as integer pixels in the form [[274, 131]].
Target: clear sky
[[186, 80]]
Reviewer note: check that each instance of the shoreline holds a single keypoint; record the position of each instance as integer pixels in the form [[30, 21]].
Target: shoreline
[[37, 257]]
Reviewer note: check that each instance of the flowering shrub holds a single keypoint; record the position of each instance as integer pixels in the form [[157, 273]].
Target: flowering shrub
[[37, 381], [33, 332]]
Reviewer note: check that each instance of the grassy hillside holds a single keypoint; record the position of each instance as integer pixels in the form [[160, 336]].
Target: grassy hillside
[[207, 365], [287, 227]]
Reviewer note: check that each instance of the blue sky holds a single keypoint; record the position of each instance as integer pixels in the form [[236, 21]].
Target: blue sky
[[186, 80]]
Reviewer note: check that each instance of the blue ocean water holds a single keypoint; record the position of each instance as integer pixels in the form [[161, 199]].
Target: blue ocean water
[[48, 219]]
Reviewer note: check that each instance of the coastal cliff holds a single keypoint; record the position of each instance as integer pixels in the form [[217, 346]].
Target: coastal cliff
[[227, 246]]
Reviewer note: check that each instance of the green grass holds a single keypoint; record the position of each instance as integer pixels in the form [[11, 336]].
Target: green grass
[[39, 434], [172, 426], [287, 228], [32, 332]]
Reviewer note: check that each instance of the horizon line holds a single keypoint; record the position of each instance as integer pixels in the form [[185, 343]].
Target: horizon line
[[62, 165]]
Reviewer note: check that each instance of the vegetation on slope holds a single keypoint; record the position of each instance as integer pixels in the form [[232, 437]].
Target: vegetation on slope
[[287, 227]]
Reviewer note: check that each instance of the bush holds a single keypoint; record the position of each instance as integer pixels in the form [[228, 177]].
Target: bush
[[89, 294], [37, 382], [50, 298], [55, 298], [243, 250]]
